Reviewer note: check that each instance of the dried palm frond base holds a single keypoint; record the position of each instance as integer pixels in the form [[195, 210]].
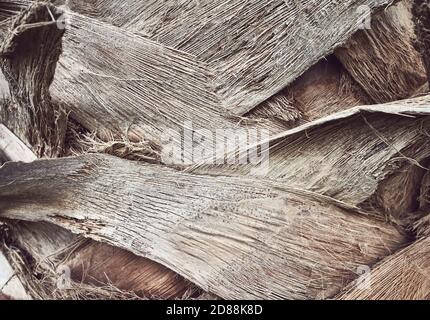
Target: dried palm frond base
[[47, 284], [98, 263], [12, 148], [147, 231], [257, 48], [114, 89], [421, 12], [95, 263], [324, 89], [382, 58], [402, 276], [30, 112], [84, 269], [221, 233], [355, 156]]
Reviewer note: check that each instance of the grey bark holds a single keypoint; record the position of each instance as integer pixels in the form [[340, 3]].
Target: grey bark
[[257, 48], [347, 155], [421, 13], [29, 69], [235, 237]]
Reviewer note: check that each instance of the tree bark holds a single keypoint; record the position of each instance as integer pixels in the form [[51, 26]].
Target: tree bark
[[94, 263], [383, 59], [421, 11], [29, 69], [234, 237], [402, 276], [265, 45]]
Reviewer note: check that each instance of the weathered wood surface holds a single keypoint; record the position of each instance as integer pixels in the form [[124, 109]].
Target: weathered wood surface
[[402, 276], [140, 86], [346, 155], [44, 241], [235, 237]]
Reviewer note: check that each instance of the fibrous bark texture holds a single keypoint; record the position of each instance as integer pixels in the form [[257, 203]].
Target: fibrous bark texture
[[10, 285], [257, 47], [324, 89], [341, 186], [49, 248], [13, 149], [421, 11], [362, 147], [235, 237], [96, 264], [383, 58], [402, 276], [118, 92], [29, 69], [156, 281]]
